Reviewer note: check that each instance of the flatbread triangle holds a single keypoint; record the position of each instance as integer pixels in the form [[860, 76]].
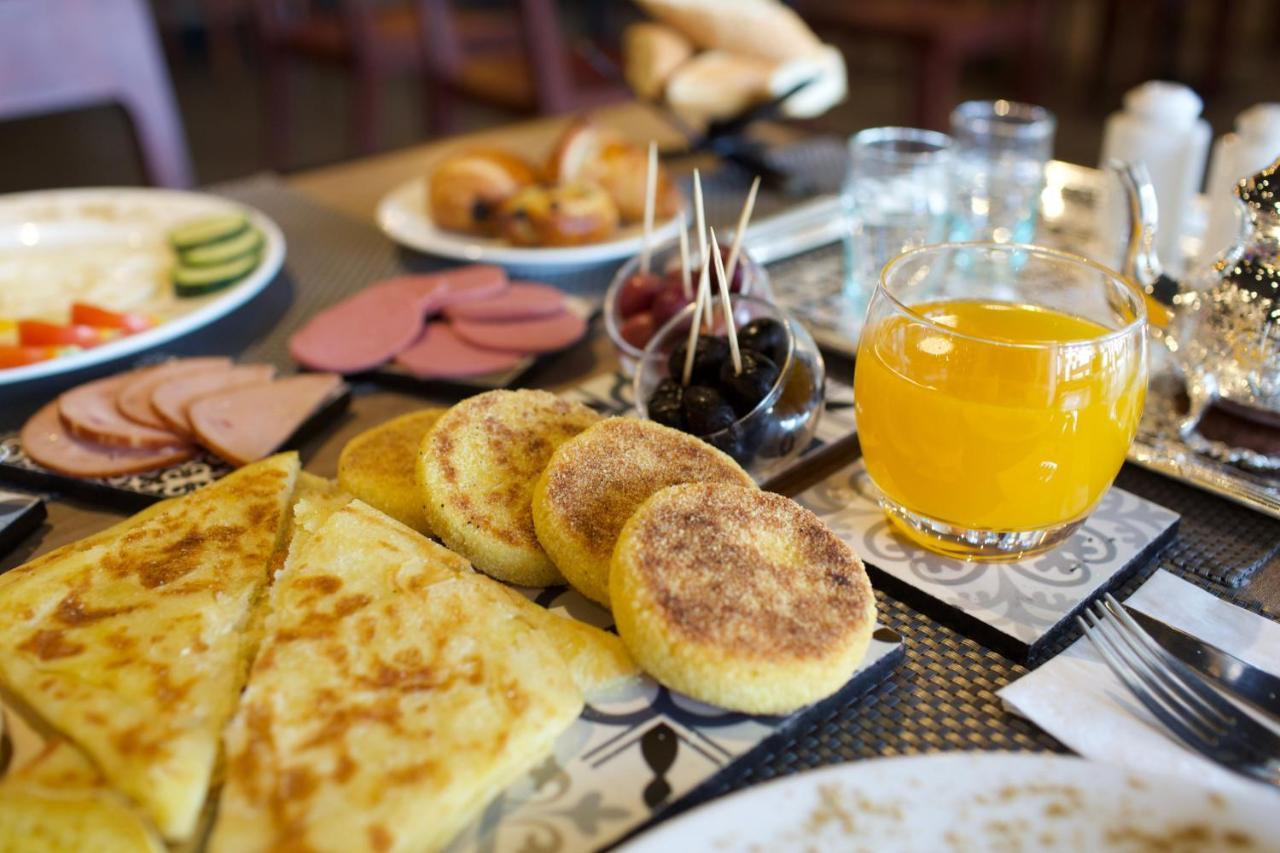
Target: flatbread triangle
[[132, 643], [394, 694]]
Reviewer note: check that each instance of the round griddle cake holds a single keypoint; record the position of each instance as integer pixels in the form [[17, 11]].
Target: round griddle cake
[[378, 466], [476, 470], [740, 598], [596, 480]]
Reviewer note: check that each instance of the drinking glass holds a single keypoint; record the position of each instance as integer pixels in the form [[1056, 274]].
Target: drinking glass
[[997, 390], [896, 197], [1001, 148]]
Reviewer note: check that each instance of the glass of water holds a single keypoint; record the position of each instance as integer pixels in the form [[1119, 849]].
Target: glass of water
[[1001, 148], [896, 197]]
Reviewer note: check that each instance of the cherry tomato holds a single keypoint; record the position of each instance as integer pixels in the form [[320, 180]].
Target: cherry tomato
[[38, 333], [19, 356], [84, 314]]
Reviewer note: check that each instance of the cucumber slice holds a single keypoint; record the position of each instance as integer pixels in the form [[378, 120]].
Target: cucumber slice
[[197, 281], [208, 254], [207, 230]]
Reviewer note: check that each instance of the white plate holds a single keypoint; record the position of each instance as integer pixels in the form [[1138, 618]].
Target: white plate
[[129, 217], [974, 801], [404, 217]]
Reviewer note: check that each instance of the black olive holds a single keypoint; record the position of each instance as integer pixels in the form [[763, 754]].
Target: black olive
[[708, 354], [705, 411], [746, 389], [765, 336], [666, 404]]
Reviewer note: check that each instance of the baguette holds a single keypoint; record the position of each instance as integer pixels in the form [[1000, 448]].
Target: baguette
[[760, 29], [651, 53]]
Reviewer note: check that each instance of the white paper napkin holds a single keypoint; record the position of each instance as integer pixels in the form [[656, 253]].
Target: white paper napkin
[[1076, 698]]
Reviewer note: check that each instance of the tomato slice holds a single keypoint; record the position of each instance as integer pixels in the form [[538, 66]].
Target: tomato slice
[[19, 356], [84, 314], [38, 333]]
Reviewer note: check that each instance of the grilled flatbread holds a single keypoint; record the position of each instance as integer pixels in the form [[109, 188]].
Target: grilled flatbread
[[132, 643], [395, 694], [58, 803]]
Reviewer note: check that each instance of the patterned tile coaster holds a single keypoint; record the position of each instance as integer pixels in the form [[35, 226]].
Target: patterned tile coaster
[[134, 491], [1016, 608], [611, 394], [631, 755]]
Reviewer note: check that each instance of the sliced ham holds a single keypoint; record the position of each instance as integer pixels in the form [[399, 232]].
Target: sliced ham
[[523, 300], [441, 354], [364, 331], [457, 285], [89, 411], [46, 440], [527, 336], [248, 423], [134, 398], [171, 399]]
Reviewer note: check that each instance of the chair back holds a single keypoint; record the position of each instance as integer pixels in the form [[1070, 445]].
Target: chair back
[[58, 55]]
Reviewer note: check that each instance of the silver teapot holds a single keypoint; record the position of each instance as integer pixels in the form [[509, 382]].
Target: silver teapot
[[1222, 322]]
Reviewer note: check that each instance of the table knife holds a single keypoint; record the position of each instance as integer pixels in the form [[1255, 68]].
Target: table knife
[[1259, 688]]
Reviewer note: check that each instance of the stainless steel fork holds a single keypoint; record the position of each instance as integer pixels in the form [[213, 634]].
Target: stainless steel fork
[[1179, 698]]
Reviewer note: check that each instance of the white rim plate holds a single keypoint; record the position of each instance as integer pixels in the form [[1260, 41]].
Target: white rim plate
[[165, 204], [403, 216], [974, 801]]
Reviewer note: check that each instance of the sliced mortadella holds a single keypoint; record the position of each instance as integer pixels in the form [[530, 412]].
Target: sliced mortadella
[[47, 441], [441, 354], [171, 399], [364, 331], [89, 411], [545, 334], [523, 300], [134, 399], [460, 284], [248, 423]]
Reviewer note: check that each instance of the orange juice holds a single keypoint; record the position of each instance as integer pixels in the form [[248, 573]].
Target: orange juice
[[996, 416]]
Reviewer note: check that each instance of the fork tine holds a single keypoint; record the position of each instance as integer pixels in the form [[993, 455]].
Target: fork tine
[[1129, 678], [1192, 686], [1176, 690]]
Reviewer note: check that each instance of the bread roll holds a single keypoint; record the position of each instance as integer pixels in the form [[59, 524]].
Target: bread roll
[[590, 153], [651, 52], [467, 189], [717, 85], [828, 83], [571, 214], [763, 29]]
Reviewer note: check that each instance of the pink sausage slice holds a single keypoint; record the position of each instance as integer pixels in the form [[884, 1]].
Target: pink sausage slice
[[46, 440], [545, 334], [441, 354], [460, 284], [362, 332], [170, 399], [134, 399], [89, 412], [523, 300], [245, 424]]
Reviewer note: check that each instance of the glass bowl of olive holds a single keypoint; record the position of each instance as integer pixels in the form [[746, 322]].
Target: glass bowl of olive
[[764, 414]]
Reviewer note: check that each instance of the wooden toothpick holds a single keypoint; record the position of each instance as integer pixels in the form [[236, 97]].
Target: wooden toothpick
[[700, 217], [703, 300], [685, 275], [650, 200], [743, 218], [731, 330]]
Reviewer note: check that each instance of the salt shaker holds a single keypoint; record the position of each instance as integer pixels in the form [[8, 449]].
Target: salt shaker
[[1254, 145], [1160, 125]]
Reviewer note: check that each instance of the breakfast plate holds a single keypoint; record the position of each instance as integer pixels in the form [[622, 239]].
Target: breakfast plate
[[973, 801], [404, 216], [110, 248]]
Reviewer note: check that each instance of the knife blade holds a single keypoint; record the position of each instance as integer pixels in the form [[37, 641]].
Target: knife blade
[[1261, 689]]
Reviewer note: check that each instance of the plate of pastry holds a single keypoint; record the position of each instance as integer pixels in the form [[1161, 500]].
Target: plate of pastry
[[583, 206]]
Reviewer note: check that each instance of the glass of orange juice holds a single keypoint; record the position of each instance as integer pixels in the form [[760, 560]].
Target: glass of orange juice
[[997, 389]]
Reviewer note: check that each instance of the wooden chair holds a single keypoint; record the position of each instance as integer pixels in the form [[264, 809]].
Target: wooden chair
[[542, 74], [58, 55], [943, 35]]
